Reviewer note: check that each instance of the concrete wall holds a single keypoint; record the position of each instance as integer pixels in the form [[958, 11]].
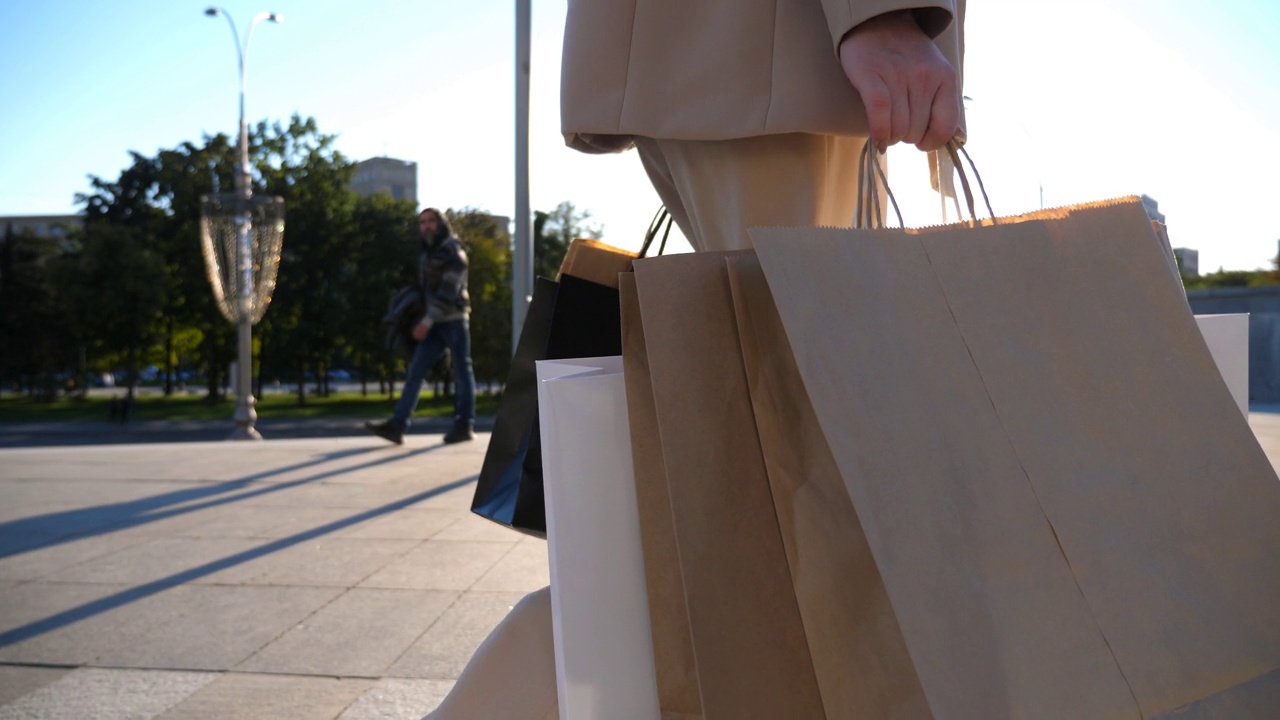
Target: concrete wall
[[1263, 306]]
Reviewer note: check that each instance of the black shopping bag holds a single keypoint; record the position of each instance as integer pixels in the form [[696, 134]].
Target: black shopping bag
[[572, 318]]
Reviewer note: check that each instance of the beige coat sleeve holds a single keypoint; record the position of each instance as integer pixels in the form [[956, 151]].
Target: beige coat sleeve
[[845, 15], [721, 69]]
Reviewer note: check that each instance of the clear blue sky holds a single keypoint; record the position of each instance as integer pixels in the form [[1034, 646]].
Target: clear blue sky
[[1088, 99]]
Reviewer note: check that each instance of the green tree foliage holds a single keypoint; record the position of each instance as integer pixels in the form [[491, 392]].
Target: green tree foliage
[[183, 175], [159, 199], [552, 233], [311, 307], [32, 331], [111, 292], [489, 284], [133, 289], [382, 257], [1231, 278]]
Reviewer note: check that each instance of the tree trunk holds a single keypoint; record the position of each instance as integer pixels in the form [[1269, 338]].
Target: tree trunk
[[262, 353], [132, 360], [168, 357], [212, 375], [83, 380]]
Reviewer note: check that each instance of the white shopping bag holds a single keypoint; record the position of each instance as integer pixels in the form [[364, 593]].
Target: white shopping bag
[[599, 606], [1228, 339]]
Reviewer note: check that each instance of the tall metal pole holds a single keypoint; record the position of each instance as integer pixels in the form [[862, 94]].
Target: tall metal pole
[[246, 416], [522, 257]]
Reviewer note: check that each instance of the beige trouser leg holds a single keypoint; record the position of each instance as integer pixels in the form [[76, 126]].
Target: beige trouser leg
[[717, 189], [512, 676]]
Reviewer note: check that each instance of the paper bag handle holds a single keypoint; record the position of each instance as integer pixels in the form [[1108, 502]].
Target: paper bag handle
[[655, 226], [871, 177], [955, 149]]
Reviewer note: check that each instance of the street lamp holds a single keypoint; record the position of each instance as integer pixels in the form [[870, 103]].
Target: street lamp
[[241, 237], [522, 257]]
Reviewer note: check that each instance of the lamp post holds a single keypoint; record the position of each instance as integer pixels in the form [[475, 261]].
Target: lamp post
[[241, 237], [522, 257]]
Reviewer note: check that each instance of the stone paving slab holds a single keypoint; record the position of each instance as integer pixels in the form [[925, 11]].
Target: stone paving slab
[[241, 696], [53, 556], [332, 641], [128, 694], [394, 698], [19, 680], [198, 627], [322, 578], [444, 649], [327, 578], [440, 564]]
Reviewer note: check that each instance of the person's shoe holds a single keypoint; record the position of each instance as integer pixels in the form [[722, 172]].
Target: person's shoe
[[461, 432], [391, 430]]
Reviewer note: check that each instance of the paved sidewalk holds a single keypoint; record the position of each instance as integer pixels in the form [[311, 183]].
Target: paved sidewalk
[[44, 434], [320, 578]]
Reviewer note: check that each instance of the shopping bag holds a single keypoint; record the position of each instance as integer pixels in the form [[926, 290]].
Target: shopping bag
[[1227, 337], [599, 610], [571, 318], [574, 316], [750, 652], [505, 490], [676, 671], [860, 659], [1068, 513]]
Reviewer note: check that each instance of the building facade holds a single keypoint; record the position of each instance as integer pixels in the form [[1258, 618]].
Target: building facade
[[55, 227], [397, 178]]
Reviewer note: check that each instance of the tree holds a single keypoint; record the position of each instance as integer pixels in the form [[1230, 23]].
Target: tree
[[183, 175], [488, 249], [304, 328], [382, 257], [159, 199], [32, 332], [1230, 278], [343, 257], [552, 233], [112, 293]]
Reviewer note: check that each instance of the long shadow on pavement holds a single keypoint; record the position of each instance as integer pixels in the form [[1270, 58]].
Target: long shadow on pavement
[[124, 597], [41, 531]]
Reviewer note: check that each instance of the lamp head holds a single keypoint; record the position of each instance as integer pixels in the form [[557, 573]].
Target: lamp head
[[212, 12], [275, 18]]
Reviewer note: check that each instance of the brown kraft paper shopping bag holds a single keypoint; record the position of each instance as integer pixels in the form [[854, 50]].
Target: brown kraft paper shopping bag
[[596, 261], [677, 677], [946, 518], [1068, 513], [859, 657], [751, 656]]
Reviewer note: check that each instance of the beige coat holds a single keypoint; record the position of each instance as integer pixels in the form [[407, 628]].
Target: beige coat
[[720, 69]]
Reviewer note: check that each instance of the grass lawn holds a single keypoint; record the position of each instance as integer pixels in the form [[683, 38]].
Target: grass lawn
[[19, 409]]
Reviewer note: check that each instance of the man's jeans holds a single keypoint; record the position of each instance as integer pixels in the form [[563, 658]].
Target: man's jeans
[[456, 336]]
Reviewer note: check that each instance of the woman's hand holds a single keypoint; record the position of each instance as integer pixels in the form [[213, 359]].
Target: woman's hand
[[907, 85]]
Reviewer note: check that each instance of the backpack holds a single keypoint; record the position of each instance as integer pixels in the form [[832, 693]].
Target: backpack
[[405, 308]]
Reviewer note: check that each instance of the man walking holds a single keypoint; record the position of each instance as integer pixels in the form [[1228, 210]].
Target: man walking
[[443, 275]]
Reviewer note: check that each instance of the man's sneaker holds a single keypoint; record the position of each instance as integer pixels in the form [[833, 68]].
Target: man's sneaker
[[461, 432], [391, 430]]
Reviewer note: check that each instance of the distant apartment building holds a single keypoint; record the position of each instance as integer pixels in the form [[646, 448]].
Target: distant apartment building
[[397, 178], [54, 227], [1188, 261], [1153, 209], [504, 225]]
